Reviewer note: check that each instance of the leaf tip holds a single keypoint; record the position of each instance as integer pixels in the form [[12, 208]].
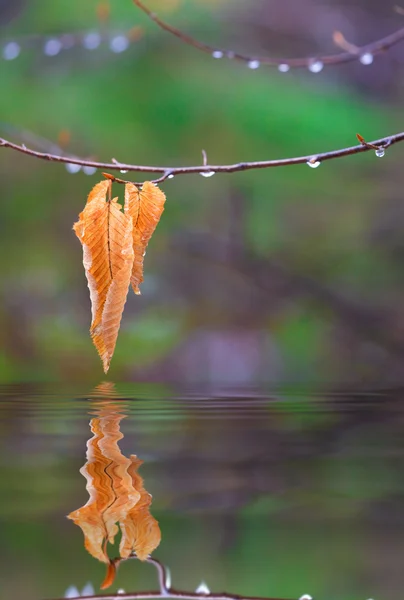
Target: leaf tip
[[110, 576]]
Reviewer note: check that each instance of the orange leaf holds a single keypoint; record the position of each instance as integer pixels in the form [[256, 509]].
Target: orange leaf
[[145, 207], [110, 575], [116, 494], [140, 530], [106, 235]]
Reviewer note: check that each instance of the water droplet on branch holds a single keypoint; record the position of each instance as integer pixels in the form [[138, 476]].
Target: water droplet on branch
[[207, 173], [202, 589], [380, 152], [217, 54], [73, 168], [11, 50], [89, 171], [316, 66], [367, 58], [52, 47], [170, 176], [283, 68], [119, 44], [123, 171], [253, 64], [313, 163], [92, 40], [88, 589], [72, 592]]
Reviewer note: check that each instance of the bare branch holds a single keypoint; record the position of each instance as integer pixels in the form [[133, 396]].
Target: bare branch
[[207, 170], [165, 592], [284, 64]]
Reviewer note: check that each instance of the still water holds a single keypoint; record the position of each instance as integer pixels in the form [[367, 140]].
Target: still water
[[273, 494]]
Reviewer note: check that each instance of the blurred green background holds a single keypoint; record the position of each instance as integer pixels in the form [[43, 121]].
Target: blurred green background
[[281, 275]]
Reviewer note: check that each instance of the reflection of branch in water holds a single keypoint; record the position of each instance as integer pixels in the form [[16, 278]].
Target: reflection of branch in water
[[118, 498], [166, 591]]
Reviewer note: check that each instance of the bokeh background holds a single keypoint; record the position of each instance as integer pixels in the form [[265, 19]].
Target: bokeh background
[[285, 275]]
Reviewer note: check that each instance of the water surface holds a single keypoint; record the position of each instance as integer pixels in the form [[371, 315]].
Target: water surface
[[257, 493]]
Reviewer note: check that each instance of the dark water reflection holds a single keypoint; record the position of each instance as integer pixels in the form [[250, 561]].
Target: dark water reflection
[[275, 494]]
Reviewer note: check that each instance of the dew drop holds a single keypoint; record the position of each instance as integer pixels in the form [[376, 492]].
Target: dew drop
[[380, 152], [316, 66], [72, 592], [313, 163], [120, 591], [123, 171], [168, 578], [170, 176], [52, 47], [119, 43], [11, 50], [89, 171], [283, 68], [73, 168], [202, 589], [91, 40], [217, 54], [367, 58], [207, 173], [253, 64], [88, 589], [305, 597]]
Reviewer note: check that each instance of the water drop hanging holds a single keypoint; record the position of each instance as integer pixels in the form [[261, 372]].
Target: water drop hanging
[[316, 66], [92, 40], [52, 47], [367, 58], [72, 592], [313, 163], [217, 54], [89, 171], [207, 173], [72, 168], [253, 64], [170, 176], [380, 152], [283, 68], [202, 589], [11, 50], [119, 44]]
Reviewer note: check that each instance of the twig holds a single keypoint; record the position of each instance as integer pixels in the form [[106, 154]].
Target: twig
[[285, 64], [165, 592], [207, 170]]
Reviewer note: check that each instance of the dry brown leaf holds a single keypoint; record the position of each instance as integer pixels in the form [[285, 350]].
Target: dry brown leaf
[[140, 530], [145, 207], [106, 235], [117, 496]]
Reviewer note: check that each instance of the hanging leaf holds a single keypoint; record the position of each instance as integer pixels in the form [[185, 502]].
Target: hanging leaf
[[106, 235], [145, 207], [116, 496]]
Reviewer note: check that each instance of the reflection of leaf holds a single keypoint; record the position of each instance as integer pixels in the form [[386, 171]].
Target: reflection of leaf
[[140, 531], [116, 496], [106, 235], [145, 207]]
